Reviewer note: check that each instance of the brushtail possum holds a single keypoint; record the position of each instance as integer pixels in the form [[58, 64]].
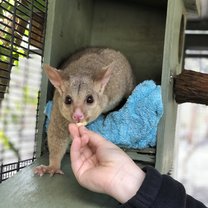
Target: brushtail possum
[[91, 82]]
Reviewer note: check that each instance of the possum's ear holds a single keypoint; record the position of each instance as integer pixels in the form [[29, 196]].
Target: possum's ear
[[54, 75], [103, 78]]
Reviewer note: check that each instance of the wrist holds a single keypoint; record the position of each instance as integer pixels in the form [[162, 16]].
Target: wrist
[[127, 183]]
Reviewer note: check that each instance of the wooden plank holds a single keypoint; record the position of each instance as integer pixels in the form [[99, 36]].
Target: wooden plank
[[25, 190], [172, 64], [143, 158], [142, 151]]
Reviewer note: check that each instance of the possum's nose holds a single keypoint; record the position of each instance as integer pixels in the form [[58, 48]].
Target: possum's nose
[[78, 115]]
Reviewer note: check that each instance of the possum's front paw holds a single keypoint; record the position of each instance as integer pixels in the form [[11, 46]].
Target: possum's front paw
[[43, 169]]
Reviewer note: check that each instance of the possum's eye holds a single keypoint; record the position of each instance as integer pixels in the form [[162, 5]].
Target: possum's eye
[[89, 99], [68, 100]]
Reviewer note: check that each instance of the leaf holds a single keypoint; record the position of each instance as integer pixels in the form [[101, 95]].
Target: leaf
[[16, 63], [26, 33], [4, 58], [20, 50], [4, 140]]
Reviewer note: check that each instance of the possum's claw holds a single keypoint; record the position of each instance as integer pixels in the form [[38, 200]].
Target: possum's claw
[[43, 169]]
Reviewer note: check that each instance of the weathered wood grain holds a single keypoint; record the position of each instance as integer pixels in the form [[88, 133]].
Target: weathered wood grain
[[191, 86]]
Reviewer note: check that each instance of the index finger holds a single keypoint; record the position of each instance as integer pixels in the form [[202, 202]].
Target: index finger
[[95, 139]]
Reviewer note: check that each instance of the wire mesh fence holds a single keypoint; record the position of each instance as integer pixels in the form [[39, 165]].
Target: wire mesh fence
[[8, 170], [22, 33]]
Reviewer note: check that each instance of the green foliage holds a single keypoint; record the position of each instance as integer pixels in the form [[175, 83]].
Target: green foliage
[[24, 13], [4, 139]]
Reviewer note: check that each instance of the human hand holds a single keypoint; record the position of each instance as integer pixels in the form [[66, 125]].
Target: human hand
[[101, 166]]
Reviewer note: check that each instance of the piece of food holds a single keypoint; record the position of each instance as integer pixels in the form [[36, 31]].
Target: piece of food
[[84, 123]]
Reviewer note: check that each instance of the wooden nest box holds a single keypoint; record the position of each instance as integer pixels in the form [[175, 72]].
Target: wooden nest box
[[149, 33]]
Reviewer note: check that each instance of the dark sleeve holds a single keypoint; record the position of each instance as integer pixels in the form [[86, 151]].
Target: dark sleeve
[[161, 191]]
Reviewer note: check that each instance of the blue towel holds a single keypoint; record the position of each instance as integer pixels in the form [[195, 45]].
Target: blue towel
[[135, 124]]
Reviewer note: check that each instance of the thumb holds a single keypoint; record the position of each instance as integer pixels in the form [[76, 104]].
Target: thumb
[[73, 130]]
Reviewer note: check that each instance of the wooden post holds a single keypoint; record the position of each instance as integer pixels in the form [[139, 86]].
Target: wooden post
[[191, 86]]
